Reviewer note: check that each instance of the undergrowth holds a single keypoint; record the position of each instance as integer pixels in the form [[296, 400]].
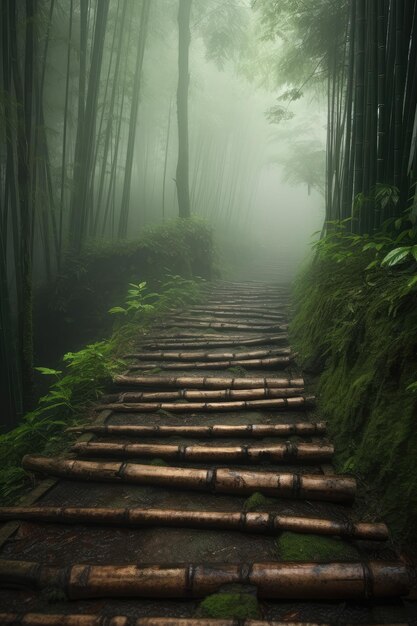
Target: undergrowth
[[356, 325], [84, 376]]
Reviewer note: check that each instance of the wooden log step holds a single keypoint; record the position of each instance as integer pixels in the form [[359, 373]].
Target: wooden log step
[[267, 328], [208, 382], [211, 342], [42, 619], [243, 521], [287, 452], [275, 581], [225, 316], [303, 429], [218, 480], [203, 394], [279, 404], [278, 362], [201, 355], [229, 308]]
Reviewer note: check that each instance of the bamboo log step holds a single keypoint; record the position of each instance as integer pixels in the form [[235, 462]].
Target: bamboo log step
[[229, 308], [287, 452], [215, 431], [209, 382], [275, 581], [203, 394], [42, 619], [219, 480], [226, 316], [200, 355], [267, 328], [211, 342], [243, 521], [183, 407], [278, 361]]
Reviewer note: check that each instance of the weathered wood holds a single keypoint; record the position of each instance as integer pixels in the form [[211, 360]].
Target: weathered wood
[[41, 619], [208, 356], [203, 394], [219, 480], [267, 328], [287, 452], [251, 522], [207, 341], [279, 362], [208, 382], [278, 404], [215, 431], [278, 581]]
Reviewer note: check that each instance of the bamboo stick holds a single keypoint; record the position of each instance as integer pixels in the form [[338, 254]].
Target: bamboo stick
[[287, 452], [279, 361], [251, 522], [211, 342], [42, 619], [200, 355], [183, 407], [203, 394], [209, 382], [278, 581], [225, 325], [219, 480], [226, 316], [215, 431], [229, 308]]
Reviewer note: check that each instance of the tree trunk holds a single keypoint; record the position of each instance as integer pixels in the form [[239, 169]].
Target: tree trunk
[[184, 37], [124, 210]]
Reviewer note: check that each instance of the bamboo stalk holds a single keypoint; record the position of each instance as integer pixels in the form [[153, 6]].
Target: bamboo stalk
[[182, 407], [219, 480], [203, 394], [208, 382], [225, 325], [41, 619], [285, 581], [217, 315], [287, 452], [215, 431], [200, 355], [243, 521], [211, 342], [279, 361], [235, 307]]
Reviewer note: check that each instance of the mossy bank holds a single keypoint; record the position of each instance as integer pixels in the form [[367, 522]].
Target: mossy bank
[[357, 329]]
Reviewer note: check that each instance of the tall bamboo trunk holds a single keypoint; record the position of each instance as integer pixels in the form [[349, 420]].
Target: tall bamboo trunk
[[182, 180]]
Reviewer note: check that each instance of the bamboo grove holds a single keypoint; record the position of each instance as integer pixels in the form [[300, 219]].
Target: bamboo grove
[[86, 152], [362, 55], [372, 114]]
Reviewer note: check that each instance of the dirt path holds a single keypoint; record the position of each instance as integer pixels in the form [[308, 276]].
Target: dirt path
[[166, 485]]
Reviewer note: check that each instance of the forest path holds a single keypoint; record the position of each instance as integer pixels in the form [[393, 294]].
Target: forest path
[[154, 508]]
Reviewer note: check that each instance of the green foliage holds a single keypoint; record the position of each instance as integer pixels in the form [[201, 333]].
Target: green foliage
[[256, 501], [300, 547], [358, 328], [230, 605], [83, 378]]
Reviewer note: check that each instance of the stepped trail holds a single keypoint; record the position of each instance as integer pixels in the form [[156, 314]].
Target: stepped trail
[[202, 488]]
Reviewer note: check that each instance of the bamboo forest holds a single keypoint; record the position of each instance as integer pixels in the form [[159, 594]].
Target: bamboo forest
[[208, 312]]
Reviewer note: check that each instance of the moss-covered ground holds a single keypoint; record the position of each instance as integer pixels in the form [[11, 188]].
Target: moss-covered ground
[[229, 605], [358, 330], [298, 547]]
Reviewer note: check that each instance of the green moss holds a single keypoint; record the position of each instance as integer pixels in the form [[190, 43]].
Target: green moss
[[359, 331], [300, 547], [255, 501], [229, 605]]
